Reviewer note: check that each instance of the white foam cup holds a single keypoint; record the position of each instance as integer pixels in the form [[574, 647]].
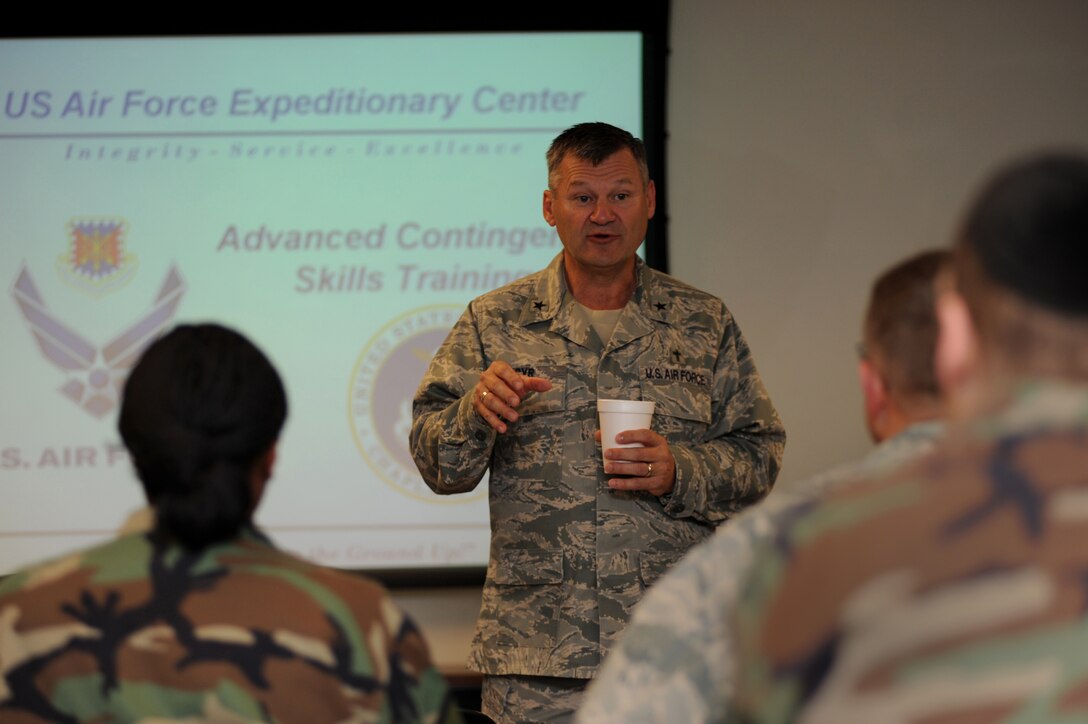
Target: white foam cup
[[621, 415]]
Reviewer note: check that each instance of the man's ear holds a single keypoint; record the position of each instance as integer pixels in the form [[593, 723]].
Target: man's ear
[[957, 344], [875, 395], [548, 215]]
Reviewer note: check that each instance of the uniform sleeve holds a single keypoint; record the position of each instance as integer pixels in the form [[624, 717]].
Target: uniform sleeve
[[450, 443], [772, 682], [736, 461], [417, 691]]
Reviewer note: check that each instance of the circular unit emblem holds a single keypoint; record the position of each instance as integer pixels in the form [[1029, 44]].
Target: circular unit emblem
[[383, 382]]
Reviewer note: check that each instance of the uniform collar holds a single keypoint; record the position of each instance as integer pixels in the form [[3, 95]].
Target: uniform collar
[[1035, 404], [546, 301]]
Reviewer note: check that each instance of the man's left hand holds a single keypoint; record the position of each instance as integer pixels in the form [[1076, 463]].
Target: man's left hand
[[651, 467]]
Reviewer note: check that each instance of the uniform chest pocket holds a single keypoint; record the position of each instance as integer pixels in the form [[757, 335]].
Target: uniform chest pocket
[[553, 400], [537, 436], [681, 397]]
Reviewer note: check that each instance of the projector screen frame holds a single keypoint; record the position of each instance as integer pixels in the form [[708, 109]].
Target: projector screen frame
[[651, 24]]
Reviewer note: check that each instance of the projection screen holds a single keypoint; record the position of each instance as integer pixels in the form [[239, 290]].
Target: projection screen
[[338, 198]]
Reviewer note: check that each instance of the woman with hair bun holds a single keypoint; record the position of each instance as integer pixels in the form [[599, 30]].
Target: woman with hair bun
[[202, 617], [201, 414]]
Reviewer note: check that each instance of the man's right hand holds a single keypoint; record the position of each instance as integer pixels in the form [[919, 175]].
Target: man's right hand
[[500, 390]]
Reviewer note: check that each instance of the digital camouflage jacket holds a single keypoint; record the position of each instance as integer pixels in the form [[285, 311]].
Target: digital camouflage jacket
[[569, 556]]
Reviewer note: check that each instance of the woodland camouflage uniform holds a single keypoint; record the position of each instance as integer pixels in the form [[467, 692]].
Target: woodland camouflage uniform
[[954, 590], [240, 632]]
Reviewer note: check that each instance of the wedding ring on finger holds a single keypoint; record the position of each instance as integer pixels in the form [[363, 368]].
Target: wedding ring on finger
[[649, 470]]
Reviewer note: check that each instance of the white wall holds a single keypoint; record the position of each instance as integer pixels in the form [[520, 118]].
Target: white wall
[[814, 144], [811, 146]]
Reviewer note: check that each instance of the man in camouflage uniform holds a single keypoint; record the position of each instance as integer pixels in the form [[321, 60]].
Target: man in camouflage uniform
[[954, 590], [514, 388], [239, 632], [674, 662]]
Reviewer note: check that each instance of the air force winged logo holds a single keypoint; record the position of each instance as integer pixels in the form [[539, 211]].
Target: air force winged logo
[[95, 375]]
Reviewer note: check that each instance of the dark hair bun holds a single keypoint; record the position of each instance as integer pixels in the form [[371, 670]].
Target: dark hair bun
[[199, 409]]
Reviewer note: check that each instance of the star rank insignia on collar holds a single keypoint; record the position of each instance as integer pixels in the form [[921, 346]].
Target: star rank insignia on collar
[[660, 306], [538, 305]]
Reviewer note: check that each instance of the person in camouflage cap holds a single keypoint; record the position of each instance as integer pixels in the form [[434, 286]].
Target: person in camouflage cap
[[202, 618], [954, 590], [514, 390], [675, 661]]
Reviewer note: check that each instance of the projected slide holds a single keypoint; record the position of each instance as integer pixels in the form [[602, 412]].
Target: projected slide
[[339, 199]]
